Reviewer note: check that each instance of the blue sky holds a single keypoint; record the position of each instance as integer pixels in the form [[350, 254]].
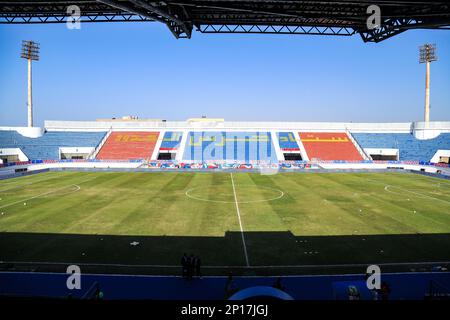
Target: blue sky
[[110, 70]]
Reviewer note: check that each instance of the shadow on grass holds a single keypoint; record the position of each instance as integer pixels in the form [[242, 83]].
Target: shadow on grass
[[282, 251]]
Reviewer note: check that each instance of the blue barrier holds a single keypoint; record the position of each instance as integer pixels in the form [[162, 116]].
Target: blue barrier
[[409, 286]]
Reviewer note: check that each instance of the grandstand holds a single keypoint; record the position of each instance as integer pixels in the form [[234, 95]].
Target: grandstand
[[54, 145], [129, 145], [406, 146], [289, 146], [229, 146], [329, 146], [170, 145], [223, 142]]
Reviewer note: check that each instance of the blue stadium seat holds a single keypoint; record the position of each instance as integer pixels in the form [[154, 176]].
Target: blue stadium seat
[[47, 146], [287, 141], [237, 146], [409, 147], [171, 140]]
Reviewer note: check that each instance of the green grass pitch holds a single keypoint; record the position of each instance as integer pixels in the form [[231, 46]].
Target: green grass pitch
[[246, 222]]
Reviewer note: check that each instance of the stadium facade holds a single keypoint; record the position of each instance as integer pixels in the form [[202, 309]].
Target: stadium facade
[[218, 144]]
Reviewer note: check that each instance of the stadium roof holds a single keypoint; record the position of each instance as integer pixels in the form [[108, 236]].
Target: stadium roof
[[342, 18]]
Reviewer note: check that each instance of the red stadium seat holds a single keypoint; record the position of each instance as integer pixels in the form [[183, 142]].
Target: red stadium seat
[[329, 146], [128, 146]]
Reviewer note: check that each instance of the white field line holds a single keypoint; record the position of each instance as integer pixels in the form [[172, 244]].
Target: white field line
[[387, 186], [441, 184], [240, 222], [16, 187], [413, 192], [34, 197], [280, 195], [24, 185], [46, 193], [77, 188], [231, 267]]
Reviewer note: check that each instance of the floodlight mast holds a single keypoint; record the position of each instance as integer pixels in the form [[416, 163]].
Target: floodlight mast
[[427, 55], [30, 51]]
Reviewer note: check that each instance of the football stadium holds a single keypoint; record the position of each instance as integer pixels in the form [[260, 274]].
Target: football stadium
[[281, 209]]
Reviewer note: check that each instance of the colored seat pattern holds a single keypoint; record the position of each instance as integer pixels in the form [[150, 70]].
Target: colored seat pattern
[[287, 141], [231, 146], [329, 146], [130, 145], [171, 141]]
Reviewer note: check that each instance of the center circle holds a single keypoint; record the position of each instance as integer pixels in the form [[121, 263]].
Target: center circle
[[244, 194], [63, 191]]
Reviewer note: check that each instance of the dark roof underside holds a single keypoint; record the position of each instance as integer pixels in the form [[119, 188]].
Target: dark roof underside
[[343, 18]]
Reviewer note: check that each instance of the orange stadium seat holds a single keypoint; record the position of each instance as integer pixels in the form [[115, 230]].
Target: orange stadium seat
[[128, 146], [329, 146]]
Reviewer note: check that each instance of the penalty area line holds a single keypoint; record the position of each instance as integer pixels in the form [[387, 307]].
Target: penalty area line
[[34, 197], [46, 193], [240, 221], [386, 188]]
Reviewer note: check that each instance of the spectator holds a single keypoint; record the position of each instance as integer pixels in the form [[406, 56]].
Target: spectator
[[184, 265], [385, 290], [230, 287], [98, 293], [190, 272], [353, 293], [374, 293], [278, 285], [197, 266]]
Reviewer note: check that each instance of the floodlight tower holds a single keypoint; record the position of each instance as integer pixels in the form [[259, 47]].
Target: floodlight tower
[[30, 51], [427, 55]]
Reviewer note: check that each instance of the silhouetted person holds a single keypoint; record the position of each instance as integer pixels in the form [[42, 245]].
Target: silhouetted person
[[353, 293], [197, 266], [278, 285], [230, 287], [190, 272], [385, 290], [184, 265], [98, 293]]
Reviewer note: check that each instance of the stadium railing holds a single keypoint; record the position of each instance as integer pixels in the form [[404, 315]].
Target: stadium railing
[[222, 164]]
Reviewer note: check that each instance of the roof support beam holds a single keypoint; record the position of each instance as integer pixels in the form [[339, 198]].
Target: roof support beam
[[393, 27], [325, 17], [172, 21], [138, 11]]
